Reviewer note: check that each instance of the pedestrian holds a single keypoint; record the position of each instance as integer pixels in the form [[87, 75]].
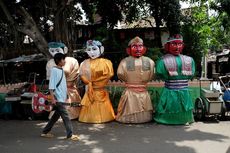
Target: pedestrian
[[58, 92], [71, 72]]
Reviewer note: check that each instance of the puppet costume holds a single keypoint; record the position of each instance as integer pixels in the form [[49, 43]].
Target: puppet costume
[[175, 105], [95, 72], [71, 72], [136, 71]]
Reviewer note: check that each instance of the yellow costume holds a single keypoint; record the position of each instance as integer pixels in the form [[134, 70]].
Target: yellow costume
[[96, 105]]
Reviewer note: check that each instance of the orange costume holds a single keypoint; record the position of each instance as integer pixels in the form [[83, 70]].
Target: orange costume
[[95, 73]]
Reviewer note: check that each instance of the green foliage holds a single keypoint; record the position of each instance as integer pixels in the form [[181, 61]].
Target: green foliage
[[195, 31], [204, 32], [171, 15], [154, 53], [101, 34], [108, 39], [168, 12], [109, 10]]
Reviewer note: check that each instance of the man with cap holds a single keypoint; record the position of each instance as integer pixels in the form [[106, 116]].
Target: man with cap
[[95, 72], [71, 72], [175, 104], [136, 71]]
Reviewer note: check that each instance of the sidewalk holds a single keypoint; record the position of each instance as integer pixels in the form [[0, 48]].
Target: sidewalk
[[24, 137]]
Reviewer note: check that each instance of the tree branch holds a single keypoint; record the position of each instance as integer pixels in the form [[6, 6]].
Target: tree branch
[[7, 13], [148, 20], [29, 28]]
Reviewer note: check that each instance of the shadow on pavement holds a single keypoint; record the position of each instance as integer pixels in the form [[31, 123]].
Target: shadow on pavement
[[23, 137]]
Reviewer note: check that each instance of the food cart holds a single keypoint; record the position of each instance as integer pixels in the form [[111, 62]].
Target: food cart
[[208, 104]]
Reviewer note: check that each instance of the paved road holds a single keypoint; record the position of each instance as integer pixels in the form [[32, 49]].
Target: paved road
[[23, 137]]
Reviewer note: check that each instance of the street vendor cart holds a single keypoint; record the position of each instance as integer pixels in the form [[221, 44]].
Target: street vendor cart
[[208, 104]]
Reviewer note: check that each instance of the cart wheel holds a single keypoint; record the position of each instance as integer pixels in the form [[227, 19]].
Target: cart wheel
[[223, 111], [199, 109]]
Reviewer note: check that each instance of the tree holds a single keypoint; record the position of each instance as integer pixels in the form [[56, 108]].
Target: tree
[[24, 23], [212, 29], [168, 12], [222, 31], [204, 32], [30, 18], [110, 11], [164, 12]]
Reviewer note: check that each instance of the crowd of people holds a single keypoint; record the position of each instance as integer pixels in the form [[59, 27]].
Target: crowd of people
[[136, 70]]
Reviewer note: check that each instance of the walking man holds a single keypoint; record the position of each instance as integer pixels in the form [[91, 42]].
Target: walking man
[[58, 92]]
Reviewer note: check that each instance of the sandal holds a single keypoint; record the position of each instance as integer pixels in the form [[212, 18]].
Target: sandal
[[47, 135], [74, 138]]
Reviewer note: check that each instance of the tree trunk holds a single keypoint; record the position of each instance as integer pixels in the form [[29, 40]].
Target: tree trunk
[[29, 28], [61, 26], [156, 15], [158, 33], [59, 22]]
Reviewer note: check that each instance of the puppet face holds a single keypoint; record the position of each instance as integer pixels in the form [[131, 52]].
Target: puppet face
[[57, 47], [54, 51], [136, 49], [174, 45], [94, 49]]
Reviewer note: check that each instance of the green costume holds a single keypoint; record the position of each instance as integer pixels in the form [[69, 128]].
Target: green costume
[[175, 104]]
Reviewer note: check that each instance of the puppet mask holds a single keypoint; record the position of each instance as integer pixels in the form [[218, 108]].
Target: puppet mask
[[136, 47], [56, 47], [94, 49], [174, 45]]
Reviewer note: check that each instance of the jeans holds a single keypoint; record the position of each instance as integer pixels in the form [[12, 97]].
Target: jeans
[[60, 110]]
